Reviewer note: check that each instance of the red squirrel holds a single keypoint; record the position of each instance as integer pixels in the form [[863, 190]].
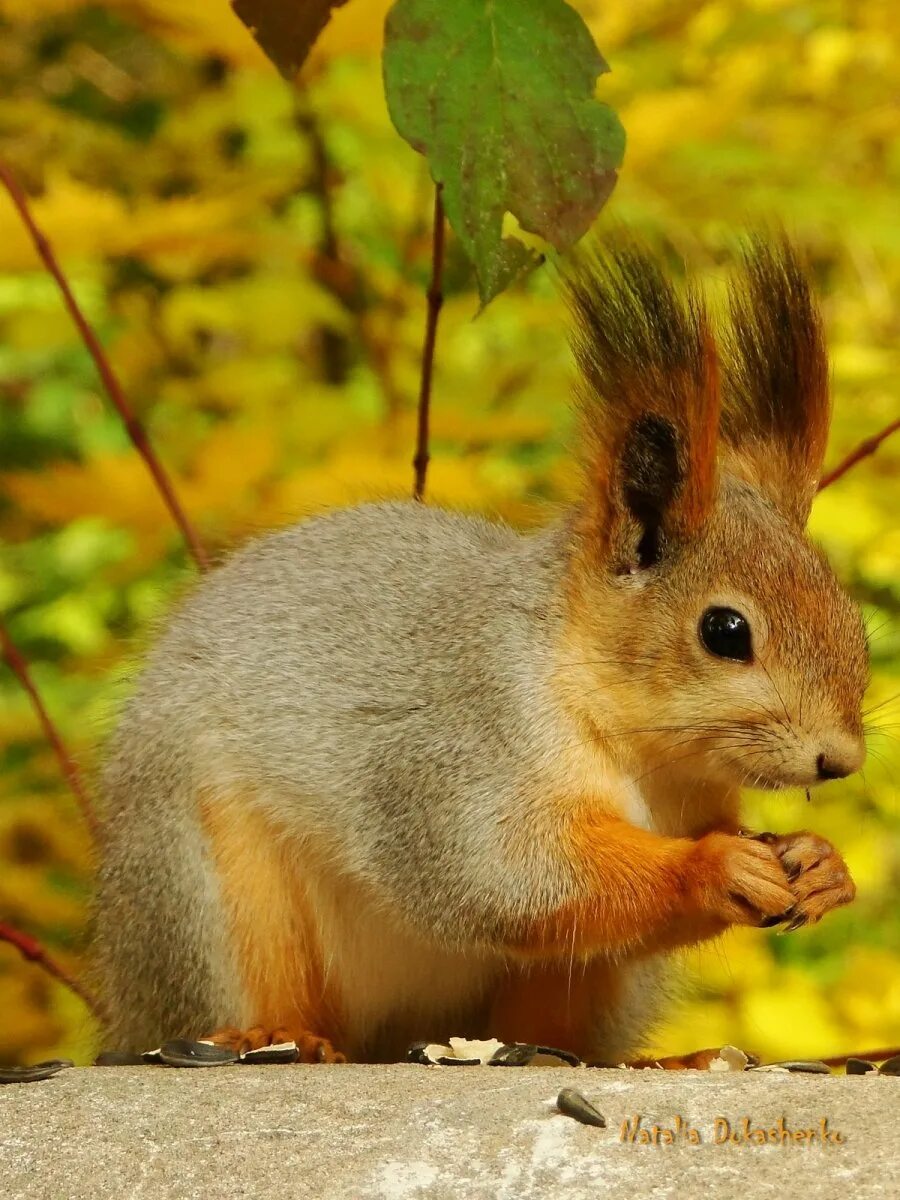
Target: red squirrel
[[396, 773]]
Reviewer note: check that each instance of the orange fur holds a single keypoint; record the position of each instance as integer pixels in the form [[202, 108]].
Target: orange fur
[[273, 928], [642, 893], [556, 1004], [563, 1004], [630, 878]]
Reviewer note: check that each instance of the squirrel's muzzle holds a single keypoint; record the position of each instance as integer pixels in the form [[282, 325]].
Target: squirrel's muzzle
[[841, 758]]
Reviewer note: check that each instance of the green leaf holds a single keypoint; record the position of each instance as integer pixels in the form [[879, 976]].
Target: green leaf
[[499, 96], [286, 29]]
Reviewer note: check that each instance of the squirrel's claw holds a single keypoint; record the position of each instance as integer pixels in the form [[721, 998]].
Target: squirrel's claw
[[771, 922], [798, 922]]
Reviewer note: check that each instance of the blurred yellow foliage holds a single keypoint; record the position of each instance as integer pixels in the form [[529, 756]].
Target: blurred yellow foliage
[[255, 260]]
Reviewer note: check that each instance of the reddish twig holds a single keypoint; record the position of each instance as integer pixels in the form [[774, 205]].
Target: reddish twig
[[33, 951], [19, 668], [111, 383], [435, 299], [863, 450]]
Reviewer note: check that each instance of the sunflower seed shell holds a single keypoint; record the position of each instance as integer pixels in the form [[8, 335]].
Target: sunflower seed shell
[[860, 1066], [41, 1070], [573, 1104], [182, 1053]]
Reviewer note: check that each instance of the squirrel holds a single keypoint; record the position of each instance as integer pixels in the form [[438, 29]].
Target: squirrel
[[396, 772]]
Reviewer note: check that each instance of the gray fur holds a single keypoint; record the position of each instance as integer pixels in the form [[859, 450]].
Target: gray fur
[[377, 675]]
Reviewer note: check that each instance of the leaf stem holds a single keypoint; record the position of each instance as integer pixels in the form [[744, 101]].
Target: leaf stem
[[435, 297], [19, 668], [863, 450], [113, 388], [31, 949]]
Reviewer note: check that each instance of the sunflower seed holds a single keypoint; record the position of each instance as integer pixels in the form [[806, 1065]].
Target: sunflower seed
[[182, 1053], [767, 838], [513, 1054], [32, 1074], [891, 1067], [574, 1105], [119, 1058], [859, 1066], [556, 1054], [280, 1052], [797, 1067], [729, 1058], [493, 1053], [417, 1053], [469, 1048], [460, 1053], [429, 1054]]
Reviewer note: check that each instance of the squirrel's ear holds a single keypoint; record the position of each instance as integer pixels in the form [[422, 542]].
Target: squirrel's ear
[[776, 406], [649, 401]]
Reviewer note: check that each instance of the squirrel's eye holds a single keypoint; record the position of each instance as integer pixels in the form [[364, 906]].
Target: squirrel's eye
[[725, 633]]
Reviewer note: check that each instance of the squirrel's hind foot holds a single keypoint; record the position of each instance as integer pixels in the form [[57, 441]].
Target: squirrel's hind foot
[[311, 1047], [698, 1060]]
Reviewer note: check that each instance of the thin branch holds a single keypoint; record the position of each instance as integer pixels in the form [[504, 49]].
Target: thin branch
[[329, 268], [19, 668], [33, 951], [435, 300], [863, 450], [111, 383]]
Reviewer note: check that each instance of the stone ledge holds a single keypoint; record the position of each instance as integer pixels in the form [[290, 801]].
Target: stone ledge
[[392, 1133]]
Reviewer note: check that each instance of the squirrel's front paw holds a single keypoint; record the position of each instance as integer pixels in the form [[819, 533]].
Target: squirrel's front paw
[[818, 876], [739, 881]]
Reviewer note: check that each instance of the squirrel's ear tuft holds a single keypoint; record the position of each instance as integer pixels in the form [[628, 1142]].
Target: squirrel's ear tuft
[[776, 406], [649, 401]]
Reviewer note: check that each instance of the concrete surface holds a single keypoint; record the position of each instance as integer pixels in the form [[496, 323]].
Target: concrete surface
[[407, 1131]]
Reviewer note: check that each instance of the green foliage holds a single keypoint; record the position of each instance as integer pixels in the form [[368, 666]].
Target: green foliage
[[255, 260], [499, 96]]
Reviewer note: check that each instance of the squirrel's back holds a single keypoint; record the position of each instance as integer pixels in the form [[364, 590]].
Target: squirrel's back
[[356, 621]]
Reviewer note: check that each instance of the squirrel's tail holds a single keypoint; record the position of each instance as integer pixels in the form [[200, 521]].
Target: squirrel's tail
[[162, 958]]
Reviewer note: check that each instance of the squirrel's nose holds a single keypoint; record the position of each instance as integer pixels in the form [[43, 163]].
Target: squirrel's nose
[[841, 759]]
